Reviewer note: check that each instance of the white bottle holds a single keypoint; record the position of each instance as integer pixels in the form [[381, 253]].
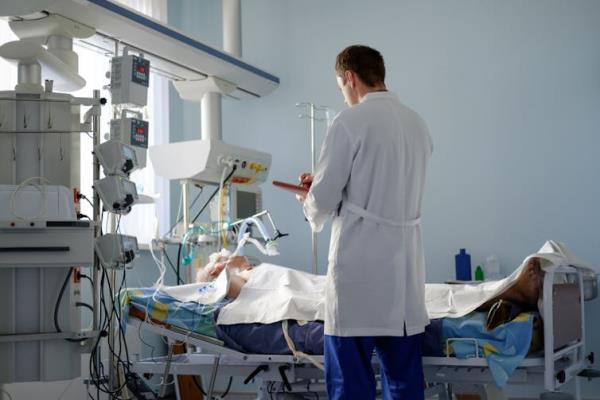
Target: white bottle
[[492, 268]]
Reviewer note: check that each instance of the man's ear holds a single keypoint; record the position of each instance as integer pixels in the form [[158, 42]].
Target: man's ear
[[350, 78]]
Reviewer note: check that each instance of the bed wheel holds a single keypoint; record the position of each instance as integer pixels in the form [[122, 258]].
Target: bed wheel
[[561, 377], [556, 396], [589, 373]]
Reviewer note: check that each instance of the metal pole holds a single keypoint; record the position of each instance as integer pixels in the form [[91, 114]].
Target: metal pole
[[97, 222], [165, 384], [312, 137], [312, 110], [112, 367], [185, 198], [210, 117], [232, 27], [97, 217], [112, 371], [313, 166], [213, 377]]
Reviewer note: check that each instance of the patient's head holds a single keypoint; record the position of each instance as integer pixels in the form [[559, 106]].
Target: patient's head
[[218, 263]]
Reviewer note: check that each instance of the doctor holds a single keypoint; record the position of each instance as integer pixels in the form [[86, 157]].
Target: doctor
[[370, 177]]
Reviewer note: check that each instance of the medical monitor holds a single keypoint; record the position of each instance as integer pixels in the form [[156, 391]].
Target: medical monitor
[[246, 201]]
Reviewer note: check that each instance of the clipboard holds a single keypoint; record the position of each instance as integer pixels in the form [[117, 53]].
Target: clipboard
[[298, 189]]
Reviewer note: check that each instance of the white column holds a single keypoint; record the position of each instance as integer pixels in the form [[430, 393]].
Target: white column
[[211, 116], [232, 27], [211, 128]]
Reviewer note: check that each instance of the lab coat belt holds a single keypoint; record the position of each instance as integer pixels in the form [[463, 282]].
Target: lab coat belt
[[353, 208]]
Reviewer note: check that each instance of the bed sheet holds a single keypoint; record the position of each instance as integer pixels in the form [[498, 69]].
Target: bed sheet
[[160, 307], [504, 347]]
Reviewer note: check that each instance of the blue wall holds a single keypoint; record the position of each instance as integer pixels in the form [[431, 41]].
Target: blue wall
[[510, 90]]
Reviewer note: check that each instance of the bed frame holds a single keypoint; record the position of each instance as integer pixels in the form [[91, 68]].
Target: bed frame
[[564, 333]]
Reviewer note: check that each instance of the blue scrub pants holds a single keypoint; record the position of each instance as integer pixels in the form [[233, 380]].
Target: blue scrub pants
[[349, 374]]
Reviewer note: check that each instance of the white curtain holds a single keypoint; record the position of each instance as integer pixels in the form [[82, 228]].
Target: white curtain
[[156, 9]]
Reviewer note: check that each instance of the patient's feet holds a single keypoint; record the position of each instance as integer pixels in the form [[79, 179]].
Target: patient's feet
[[529, 283], [525, 291]]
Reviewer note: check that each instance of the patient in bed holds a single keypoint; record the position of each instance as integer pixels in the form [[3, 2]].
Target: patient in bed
[[524, 292], [260, 338]]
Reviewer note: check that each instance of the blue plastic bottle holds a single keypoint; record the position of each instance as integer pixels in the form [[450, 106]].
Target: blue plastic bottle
[[463, 266]]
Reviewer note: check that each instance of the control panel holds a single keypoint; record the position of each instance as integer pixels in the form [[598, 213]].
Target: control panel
[[129, 80], [203, 161], [115, 250], [132, 130]]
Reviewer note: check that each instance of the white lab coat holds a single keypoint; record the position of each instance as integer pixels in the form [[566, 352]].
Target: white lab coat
[[370, 177]]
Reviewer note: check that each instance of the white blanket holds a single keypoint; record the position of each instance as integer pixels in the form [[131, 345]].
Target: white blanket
[[276, 293], [455, 301]]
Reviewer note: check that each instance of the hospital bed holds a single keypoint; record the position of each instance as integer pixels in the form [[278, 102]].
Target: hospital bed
[[564, 359]]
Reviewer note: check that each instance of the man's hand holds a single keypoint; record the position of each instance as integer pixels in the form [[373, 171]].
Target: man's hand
[[306, 180]]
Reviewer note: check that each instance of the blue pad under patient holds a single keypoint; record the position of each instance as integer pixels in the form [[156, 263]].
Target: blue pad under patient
[[269, 338]]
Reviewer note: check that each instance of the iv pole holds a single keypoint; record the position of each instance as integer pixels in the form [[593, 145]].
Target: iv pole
[[311, 110]]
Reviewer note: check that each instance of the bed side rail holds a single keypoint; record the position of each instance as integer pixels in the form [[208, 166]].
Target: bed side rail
[[564, 326]]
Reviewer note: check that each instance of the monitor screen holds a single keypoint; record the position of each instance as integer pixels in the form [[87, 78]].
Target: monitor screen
[[245, 204]]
